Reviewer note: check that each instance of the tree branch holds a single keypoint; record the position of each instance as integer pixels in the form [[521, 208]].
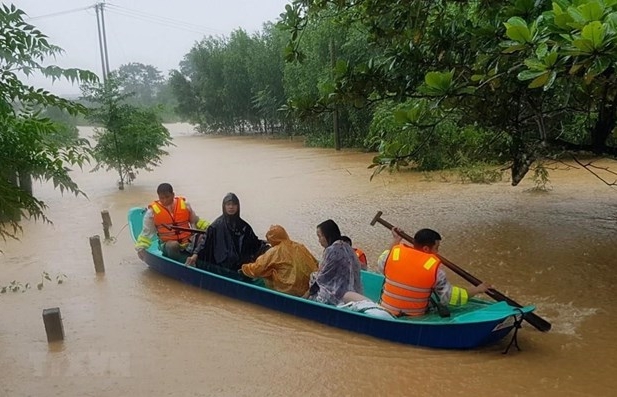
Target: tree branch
[[588, 166]]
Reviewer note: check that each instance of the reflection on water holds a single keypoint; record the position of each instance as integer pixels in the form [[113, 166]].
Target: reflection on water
[[134, 332]]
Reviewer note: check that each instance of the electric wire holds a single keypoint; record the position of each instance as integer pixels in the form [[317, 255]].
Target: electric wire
[[169, 22], [116, 12], [56, 14], [164, 19]]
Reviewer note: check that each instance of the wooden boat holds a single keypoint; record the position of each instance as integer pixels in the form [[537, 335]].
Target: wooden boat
[[476, 324]]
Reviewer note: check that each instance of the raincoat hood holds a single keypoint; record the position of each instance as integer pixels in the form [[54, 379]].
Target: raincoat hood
[[231, 197], [286, 267], [276, 235]]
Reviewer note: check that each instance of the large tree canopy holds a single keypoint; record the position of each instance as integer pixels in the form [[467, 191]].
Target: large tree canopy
[[430, 84], [29, 147], [539, 76]]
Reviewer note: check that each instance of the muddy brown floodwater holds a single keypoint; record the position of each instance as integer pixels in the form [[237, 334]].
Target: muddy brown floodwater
[[133, 332]]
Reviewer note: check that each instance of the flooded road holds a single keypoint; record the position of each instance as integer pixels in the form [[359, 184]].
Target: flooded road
[[132, 332]]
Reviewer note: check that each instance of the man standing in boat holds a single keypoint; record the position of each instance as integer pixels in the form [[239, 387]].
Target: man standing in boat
[[412, 274], [167, 211]]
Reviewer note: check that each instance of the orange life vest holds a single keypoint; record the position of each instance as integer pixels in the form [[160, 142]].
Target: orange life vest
[[410, 276], [361, 256], [180, 218]]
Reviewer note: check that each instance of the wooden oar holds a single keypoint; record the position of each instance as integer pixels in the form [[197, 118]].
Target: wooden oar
[[532, 318], [184, 229]]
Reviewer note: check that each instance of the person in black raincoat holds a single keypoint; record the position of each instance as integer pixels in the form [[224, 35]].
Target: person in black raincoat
[[228, 243]]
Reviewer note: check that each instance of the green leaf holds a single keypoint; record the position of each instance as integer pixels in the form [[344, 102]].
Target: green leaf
[[550, 59], [550, 81], [514, 48], [466, 90], [517, 30], [594, 32], [540, 80], [584, 45], [563, 21], [575, 68], [611, 21], [517, 21], [599, 65], [529, 74], [592, 11], [439, 81], [542, 50], [576, 15], [557, 10], [534, 64]]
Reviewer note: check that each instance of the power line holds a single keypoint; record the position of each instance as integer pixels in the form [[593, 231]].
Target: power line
[[116, 12], [55, 14], [164, 19], [169, 22]]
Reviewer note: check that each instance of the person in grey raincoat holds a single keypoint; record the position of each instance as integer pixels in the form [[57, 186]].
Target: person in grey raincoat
[[339, 270]]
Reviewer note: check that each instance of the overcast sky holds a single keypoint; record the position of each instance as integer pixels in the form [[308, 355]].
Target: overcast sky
[[155, 32]]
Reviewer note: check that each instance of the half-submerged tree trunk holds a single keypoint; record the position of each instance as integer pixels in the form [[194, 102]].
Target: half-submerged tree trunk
[[25, 182], [11, 214], [604, 125], [522, 159]]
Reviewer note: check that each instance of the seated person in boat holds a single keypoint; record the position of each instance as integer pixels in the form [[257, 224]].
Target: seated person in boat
[[168, 210], [339, 270], [361, 255], [413, 273], [228, 243], [286, 267]]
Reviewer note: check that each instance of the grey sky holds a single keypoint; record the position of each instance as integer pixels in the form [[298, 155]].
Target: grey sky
[[155, 32]]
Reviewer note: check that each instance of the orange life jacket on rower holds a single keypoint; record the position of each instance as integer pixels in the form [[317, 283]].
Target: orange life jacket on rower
[[410, 276], [180, 217], [361, 257]]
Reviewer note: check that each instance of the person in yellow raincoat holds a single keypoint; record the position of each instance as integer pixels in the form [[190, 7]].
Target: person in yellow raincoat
[[286, 267]]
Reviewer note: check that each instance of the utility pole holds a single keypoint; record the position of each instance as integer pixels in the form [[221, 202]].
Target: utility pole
[[100, 24], [112, 124], [102, 5], [335, 124]]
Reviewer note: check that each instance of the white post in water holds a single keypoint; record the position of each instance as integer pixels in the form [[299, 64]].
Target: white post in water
[[97, 254]]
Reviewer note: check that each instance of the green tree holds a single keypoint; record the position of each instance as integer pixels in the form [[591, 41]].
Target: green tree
[[66, 128], [329, 45], [572, 46], [141, 83], [232, 84], [451, 62], [132, 138], [27, 149], [538, 77], [144, 86]]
